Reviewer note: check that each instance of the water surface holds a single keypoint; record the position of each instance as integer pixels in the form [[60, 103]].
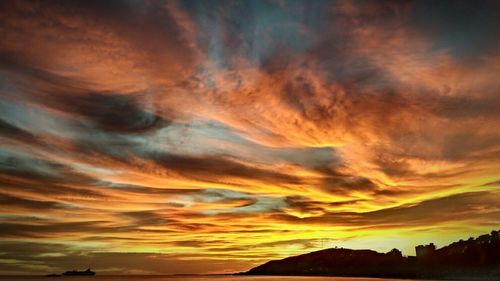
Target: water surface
[[191, 278]]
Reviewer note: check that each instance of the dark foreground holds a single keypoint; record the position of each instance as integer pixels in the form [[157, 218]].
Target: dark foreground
[[473, 259], [190, 278]]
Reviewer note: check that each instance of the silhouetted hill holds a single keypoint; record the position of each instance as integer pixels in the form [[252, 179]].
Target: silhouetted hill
[[471, 259]]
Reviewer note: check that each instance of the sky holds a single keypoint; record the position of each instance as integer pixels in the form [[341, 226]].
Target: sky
[[160, 137]]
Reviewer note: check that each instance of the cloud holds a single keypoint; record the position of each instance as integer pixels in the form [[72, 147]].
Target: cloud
[[94, 38], [10, 131], [57, 257], [218, 167], [50, 230], [202, 132], [465, 207], [107, 110], [26, 204]]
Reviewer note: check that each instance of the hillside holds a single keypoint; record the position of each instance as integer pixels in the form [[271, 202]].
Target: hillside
[[470, 259]]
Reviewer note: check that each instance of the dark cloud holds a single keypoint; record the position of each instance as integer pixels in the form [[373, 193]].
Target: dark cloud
[[307, 205], [493, 183], [348, 184], [44, 187], [15, 203], [218, 168], [472, 206], [44, 178], [304, 204], [24, 166], [186, 227], [52, 230], [237, 199], [308, 157], [141, 189], [111, 112], [31, 251], [146, 218], [10, 131], [455, 27], [26, 74], [467, 107], [257, 31]]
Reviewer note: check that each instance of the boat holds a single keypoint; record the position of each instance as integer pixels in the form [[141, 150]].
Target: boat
[[87, 272]]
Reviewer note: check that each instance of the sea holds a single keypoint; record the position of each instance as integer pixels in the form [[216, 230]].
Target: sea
[[191, 278]]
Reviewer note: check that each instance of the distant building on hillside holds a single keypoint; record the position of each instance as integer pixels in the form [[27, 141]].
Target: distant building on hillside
[[395, 253], [495, 235], [484, 239], [425, 250]]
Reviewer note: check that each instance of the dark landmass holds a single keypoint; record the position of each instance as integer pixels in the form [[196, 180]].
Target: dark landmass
[[87, 272], [473, 259]]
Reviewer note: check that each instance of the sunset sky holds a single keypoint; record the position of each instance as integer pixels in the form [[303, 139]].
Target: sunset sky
[[158, 137]]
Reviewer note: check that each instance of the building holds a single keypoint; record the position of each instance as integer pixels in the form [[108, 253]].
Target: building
[[395, 253], [425, 251]]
